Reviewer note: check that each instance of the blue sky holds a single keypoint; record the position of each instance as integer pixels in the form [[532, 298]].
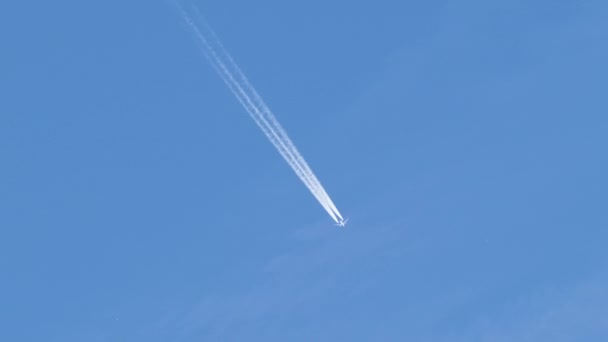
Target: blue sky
[[465, 140]]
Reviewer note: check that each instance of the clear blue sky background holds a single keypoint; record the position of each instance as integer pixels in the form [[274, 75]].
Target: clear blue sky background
[[466, 140]]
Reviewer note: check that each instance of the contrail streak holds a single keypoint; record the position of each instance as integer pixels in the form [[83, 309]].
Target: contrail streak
[[276, 127], [240, 86]]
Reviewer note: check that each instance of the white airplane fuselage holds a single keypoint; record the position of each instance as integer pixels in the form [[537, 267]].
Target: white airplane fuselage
[[341, 223]]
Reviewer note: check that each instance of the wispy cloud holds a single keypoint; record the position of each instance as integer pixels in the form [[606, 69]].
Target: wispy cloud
[[577, 314]]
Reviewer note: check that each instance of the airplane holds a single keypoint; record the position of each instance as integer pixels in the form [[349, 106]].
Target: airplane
[[341, 223]]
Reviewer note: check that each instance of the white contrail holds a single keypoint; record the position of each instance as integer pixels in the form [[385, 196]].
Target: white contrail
[[243, 98], [224, 57], [275, 126], [261, 114]]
